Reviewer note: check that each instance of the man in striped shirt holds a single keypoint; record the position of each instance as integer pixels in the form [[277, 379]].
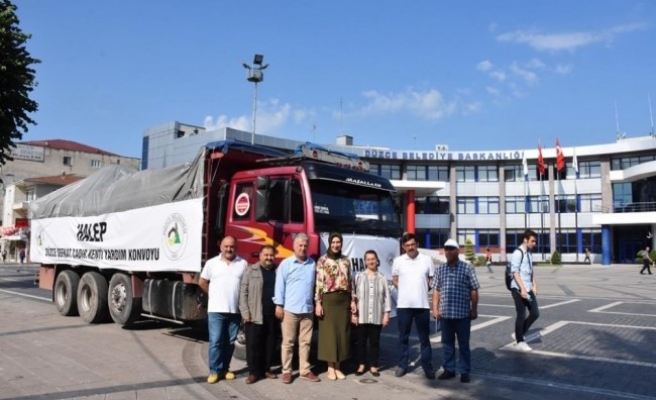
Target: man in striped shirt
[[455, 302]]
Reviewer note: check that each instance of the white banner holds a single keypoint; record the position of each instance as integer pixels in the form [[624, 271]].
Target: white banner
[[165, 237], [355, 246]]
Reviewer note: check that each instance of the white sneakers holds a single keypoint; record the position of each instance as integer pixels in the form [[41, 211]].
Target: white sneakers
[[522, 346]]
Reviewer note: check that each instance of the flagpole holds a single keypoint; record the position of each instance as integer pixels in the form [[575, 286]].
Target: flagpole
[[542, 214], [575, 165]]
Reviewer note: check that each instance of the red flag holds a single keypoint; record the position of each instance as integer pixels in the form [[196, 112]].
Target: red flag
[[560, 158], [540, 161]]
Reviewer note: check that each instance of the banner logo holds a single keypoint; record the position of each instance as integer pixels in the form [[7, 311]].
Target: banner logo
[[175, 236]]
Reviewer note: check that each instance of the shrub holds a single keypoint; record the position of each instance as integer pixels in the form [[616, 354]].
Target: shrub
[[480, 261], [652, 255], [470, 256], [555, 258]]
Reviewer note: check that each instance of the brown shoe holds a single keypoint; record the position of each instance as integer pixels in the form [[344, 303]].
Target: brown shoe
[[286, 378], [310, 377], [270, 375], [250, 379]]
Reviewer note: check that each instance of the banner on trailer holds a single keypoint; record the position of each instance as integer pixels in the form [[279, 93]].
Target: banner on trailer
[[165, 237], [356, 245]]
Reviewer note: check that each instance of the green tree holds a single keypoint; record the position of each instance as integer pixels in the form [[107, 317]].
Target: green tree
[[470, 255], [16, 81]]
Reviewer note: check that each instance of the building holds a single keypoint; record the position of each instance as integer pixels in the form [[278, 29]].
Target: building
[[40, 167], [605, 202], [15, 219]]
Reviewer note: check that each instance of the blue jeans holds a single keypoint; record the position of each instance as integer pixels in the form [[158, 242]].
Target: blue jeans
[[223, 329], [452, 328], [421, 316]]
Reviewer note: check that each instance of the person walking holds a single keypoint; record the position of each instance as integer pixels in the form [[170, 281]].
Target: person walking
[[294, 294], [221, 280], [373, 312], [412, 273], [524, 289], [334, 306], [455, 305], [21, 255], [646, 261], [488, 260], [261, 326]]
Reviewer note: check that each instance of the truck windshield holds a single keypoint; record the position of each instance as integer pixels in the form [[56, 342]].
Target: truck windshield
[[353, 208]]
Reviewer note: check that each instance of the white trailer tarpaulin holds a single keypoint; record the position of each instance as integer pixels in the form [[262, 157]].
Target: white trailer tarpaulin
[[165, 237]]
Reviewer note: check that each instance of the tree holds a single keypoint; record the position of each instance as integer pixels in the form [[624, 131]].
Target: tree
[[16, 81], [470, 255]]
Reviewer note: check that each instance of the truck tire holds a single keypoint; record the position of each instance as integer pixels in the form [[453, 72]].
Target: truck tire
[[123, 307], [92, 298], [65, 293]]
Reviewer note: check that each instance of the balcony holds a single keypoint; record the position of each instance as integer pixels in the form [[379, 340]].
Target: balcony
[[21, 205], [626, 214]]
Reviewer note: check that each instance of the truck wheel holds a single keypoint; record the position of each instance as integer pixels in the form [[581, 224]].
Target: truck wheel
[[123, 307], [92, 298], [66, 292]]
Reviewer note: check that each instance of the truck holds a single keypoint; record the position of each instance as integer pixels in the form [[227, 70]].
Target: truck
[[123, 244]]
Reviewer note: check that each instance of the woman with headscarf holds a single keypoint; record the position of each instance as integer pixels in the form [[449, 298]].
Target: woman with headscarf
[[334, 306]]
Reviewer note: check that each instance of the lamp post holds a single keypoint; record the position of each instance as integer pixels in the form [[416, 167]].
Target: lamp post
[[256, 76]]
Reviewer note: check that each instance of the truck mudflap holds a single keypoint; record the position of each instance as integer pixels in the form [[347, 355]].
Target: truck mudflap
[[174, 300]]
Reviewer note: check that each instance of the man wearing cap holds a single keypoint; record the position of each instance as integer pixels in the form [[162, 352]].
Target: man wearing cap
[[455, 302], [412, 273]]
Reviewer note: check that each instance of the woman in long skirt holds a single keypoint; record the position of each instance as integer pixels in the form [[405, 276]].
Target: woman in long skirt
[[334, 306]]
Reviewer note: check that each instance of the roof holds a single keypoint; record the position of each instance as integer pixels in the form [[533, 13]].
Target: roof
[[61, 144], [61, 180]]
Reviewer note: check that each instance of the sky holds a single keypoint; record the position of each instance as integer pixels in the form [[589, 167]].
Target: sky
[[472, 75]]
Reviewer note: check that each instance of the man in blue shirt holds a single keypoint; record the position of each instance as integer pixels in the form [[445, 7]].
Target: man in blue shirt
[[455, 302], [294, 299]]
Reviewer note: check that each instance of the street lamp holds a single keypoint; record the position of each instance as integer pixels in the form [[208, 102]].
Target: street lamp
[[256, 76]]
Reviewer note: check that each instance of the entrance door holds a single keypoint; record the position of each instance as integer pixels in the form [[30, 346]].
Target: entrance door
[[628, 250]]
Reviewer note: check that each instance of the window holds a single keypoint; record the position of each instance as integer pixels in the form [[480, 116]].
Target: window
[[622, 196], [589, 169], [421, 205], [95, 164], [466, 174], [68, 161], [488, 205], [438, 173], [565, 203], [590, 202], [515, 204], [488, 238], [628, 162], [488, 173], [512, 173], [277, 199], [437, 205], [31, 194], [534, 204], [466, 205], [243, 202], [567, 241], [390, 171], [416, 172], [591, 240], [296, 211]]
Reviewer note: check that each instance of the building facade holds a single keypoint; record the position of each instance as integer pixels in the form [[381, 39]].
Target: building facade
[[605, 202]]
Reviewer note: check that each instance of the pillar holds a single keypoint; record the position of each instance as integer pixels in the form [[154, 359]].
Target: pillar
[[410, 211], [605, 245]]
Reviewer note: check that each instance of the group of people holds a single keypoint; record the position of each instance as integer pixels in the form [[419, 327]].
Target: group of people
[[284, 301]]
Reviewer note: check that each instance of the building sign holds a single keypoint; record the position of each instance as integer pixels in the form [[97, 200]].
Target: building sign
[[29, 153], [21, 223], [443, 155]]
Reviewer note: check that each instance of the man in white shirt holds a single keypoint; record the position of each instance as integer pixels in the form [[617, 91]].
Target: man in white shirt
[[221, 279], [412, 274]]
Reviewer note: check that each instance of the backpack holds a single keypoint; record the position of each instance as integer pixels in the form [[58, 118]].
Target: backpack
[[509, 276]]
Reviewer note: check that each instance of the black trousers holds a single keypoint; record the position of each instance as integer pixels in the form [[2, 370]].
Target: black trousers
[[646, 265], [261, 344], [522, 323], [371, 333]]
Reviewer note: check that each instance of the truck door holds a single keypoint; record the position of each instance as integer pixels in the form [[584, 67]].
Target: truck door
[[281, 215]]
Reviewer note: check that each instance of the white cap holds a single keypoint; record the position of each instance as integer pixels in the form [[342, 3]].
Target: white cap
[[451, 243]]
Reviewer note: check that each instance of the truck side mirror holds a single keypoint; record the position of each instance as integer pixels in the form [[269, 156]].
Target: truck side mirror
[[262, 199]]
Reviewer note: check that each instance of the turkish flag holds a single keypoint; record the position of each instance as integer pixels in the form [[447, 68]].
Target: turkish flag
[[540, 161], [560, 158]]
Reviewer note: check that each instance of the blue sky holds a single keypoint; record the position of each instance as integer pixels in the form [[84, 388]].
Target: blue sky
[[474, 75]]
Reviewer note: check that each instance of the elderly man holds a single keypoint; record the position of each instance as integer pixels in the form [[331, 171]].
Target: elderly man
[[258, 313], [294, 296], [412, 273], [455, 301], [221, 279]]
